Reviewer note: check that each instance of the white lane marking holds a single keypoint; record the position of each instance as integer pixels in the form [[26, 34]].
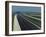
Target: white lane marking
[[16, 26], [30, 22], [32, 17]]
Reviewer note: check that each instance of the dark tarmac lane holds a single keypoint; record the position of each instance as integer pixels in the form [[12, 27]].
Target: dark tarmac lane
[[25, 25]]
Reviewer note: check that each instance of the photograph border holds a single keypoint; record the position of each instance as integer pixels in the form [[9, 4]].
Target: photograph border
[[7, 17]]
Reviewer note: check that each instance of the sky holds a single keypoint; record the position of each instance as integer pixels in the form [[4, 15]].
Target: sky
[[25, 9]]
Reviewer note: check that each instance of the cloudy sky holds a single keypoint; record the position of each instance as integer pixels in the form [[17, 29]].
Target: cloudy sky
[[25, 9]]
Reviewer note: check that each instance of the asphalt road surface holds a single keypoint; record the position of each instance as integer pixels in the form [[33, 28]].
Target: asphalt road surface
[[26, 23]]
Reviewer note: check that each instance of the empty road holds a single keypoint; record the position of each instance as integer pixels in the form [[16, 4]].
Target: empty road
[[26, 23]]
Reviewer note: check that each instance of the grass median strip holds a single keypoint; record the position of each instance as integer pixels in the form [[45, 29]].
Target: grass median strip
[[32, 17]]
